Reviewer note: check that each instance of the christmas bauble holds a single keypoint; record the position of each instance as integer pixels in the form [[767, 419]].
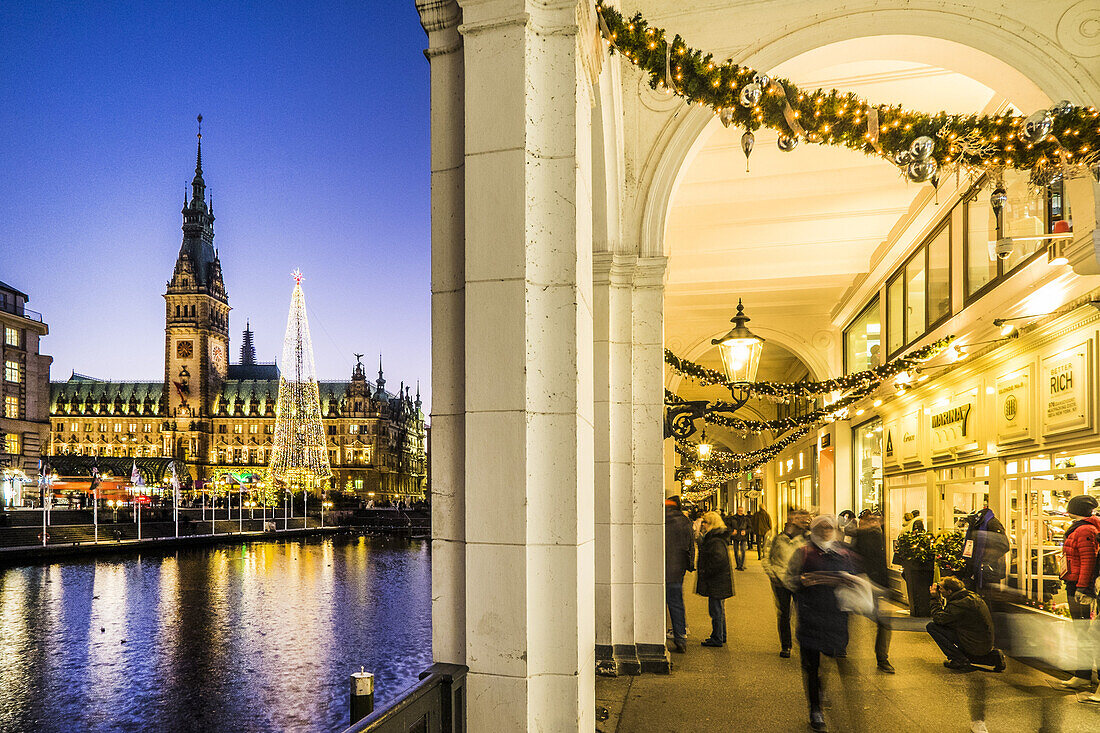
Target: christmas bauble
[[1062, 108], [920, 171], [998, 198], [747, 141], [1037, 126], [902, 158], [762, 79], [921, 148], [726, 116], [787, 143], [750, 94]]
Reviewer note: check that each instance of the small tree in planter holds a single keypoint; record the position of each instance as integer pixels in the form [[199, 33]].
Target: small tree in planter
[[913, 551], [948, 548]]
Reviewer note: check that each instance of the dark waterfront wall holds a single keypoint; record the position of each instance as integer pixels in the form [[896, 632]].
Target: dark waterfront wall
[[258, 637]]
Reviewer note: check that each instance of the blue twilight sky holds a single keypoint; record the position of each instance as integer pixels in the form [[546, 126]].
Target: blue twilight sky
[[315, 148]]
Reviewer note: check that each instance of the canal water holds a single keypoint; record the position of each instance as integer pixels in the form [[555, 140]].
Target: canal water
[[258, 637]]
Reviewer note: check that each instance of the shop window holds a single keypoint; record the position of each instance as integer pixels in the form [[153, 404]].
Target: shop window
[[1026, 214], [11, 371], [918, 296], [939, 276], [895, 314], [914, 298], [867, 465], [862, 340], [11, 406]]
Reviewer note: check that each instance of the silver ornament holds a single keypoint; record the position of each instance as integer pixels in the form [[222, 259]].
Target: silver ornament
[[762, 79], [1037, 126], [750, 95], [920, 171], [747, 142], [726, 116], [998, 198], [787, 143], [902, 158], [921, 148], [1062, 108]]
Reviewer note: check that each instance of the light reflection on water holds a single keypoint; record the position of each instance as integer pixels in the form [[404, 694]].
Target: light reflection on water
[[260, 637]]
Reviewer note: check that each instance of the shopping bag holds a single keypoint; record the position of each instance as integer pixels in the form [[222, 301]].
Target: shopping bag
[[856, 596]]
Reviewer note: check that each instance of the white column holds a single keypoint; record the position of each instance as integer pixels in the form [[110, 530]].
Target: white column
[[440, 21], [647, 396], [528, 370]]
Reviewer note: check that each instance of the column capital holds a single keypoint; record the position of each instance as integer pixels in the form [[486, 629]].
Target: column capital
[[440, 20], [649, 272], [615, 268]]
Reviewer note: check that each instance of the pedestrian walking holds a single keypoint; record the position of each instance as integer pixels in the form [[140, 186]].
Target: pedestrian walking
[[1079, 559], [816, 571], [869, 545], [740, 529], [715, 578], [761, 527], [780, 548], [679, 559]]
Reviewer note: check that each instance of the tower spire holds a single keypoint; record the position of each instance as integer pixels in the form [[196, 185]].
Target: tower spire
[[198, 185]]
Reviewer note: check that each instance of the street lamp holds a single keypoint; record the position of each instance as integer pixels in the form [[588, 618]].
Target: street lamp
[[740, 349]]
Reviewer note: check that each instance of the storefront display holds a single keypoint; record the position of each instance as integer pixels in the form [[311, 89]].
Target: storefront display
[[867, 466]]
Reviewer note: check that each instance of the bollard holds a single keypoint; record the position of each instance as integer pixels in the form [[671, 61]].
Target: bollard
[[362, 695]]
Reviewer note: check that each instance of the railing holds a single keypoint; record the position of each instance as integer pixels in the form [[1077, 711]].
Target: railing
[[436, 704], [18, 310]]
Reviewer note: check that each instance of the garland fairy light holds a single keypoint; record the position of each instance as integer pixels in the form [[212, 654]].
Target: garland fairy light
[[1062, 140], [709, 377]]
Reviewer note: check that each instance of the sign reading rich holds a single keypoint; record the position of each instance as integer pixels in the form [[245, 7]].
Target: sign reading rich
[[1067, 391]]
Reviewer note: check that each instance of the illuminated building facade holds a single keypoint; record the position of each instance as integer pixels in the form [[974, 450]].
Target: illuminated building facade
[[219, 418]]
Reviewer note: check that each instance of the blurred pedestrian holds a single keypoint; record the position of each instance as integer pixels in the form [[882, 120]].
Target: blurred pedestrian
[[984, 549], [780, 548], [715, 577], [869, 544], [912, 522], [815, 572], [845, 520], [740, 528], [761, 527], [1079, 550], [679, 559], [962, 627]]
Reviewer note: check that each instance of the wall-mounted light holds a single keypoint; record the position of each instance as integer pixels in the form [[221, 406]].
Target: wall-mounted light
[[1056, 254]]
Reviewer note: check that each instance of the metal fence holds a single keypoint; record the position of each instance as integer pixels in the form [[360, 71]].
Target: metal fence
[[436, 704]]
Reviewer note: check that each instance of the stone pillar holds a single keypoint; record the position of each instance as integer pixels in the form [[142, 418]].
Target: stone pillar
[[530, 642], [440, 19], [647, 396]]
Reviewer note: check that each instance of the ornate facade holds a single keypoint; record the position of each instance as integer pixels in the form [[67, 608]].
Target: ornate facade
[[219, 418]]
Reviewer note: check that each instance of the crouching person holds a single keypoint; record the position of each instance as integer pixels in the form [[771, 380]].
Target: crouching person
[[962, 627]]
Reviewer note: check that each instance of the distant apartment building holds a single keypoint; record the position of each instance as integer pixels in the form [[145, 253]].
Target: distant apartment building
[[25, 388]]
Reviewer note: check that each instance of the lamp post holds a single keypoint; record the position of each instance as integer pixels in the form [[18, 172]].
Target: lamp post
[[740, 350]]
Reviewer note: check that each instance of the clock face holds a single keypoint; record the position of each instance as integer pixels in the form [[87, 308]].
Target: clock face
[[184, 349], [217, 356]]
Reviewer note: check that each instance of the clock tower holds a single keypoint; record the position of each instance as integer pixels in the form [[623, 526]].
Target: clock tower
[[196, 333]]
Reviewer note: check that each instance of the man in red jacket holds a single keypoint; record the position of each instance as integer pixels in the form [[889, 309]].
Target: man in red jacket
[[1079, 548]]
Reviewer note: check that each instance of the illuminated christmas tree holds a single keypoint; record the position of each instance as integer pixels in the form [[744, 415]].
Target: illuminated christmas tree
[[299, 457]]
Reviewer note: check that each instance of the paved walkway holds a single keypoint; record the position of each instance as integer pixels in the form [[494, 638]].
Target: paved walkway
[[746, 686]]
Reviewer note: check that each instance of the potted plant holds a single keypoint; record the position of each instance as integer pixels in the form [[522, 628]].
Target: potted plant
[[913, 551], [948, 548]]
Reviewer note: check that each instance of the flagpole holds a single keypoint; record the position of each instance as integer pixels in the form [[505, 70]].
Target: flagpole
[[176, 500], [95, 506]]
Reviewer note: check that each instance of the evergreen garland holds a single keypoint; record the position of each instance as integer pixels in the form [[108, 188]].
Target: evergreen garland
[[833, 117]]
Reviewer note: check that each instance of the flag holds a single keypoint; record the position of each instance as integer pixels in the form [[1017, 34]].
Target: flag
[[135, 476], [95, 478], [175, 486]]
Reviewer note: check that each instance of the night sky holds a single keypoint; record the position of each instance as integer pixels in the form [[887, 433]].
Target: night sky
[[315, 148]]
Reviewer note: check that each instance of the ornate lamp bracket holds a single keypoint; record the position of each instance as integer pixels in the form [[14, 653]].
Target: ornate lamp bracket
[[680, 417]]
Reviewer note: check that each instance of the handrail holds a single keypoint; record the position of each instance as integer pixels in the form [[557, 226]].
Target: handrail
[[30, 315], [437, 699]]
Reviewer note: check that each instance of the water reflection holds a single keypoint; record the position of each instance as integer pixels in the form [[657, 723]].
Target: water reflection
[[260, 637]]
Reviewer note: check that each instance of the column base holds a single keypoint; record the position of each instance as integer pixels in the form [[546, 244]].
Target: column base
[[632, 659], [654, 658]]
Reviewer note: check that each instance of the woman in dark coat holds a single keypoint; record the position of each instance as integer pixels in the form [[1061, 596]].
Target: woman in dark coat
[[715, 579]]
